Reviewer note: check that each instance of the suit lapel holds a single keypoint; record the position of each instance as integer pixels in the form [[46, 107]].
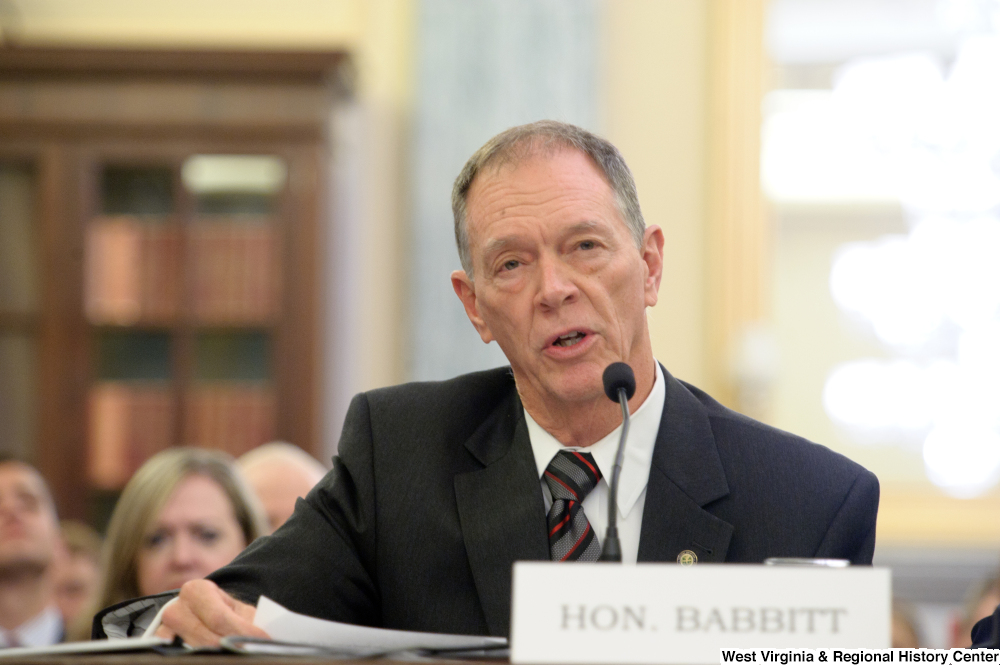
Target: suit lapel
[[502, 513], [685, 475], [501, 509]]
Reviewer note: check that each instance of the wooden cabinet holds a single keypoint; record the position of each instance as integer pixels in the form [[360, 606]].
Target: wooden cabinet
[[160, 219]]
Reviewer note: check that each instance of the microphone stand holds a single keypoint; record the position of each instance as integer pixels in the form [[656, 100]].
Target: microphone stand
[[612, 549]]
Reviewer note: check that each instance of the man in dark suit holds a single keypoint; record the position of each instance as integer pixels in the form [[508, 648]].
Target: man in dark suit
[[439, 487]]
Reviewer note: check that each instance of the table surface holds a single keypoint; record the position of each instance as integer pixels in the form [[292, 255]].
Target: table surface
[[226, 659]]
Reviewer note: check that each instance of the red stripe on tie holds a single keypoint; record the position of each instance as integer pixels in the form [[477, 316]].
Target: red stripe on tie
[[597, 474], [573, 549], [560, 525], [568, 488]]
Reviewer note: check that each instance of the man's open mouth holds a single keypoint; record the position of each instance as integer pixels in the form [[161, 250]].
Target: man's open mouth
[[570, 339]]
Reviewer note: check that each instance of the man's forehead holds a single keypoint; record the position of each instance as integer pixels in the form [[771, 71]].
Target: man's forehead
[[508, 192], [567, 174], [505, 164]]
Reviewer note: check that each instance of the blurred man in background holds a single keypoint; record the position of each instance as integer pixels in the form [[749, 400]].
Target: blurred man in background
[[280, 473], [29, 536]]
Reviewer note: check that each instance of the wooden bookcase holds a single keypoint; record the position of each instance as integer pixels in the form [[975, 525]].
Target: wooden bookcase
[[160, 220]]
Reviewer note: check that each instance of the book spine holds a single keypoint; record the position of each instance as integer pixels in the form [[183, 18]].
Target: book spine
[[112, 271]]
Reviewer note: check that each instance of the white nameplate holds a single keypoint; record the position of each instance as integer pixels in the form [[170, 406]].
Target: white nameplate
[[666, 613]]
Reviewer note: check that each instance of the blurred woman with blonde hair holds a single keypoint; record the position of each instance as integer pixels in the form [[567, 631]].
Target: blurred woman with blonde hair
[[185, 513]]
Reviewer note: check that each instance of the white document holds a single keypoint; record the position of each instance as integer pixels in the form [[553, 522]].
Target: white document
[[287, 626], [81, 648]]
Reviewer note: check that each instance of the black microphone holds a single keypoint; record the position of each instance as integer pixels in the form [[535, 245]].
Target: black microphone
[[619, 386]]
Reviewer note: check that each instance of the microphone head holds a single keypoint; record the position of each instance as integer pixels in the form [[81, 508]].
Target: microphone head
[[617, 376]]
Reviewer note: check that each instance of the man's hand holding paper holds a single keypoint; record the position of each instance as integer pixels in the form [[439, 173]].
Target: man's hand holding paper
[[204, 613]]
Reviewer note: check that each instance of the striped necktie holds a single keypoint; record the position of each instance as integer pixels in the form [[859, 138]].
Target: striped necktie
[[570, 477]]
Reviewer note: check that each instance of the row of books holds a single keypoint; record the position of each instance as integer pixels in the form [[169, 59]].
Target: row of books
[[128, 424], [234, 272], [139, 271], [131, 422], [233, 418]]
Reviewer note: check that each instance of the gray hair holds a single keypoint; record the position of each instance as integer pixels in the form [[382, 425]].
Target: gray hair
[[277, 452], [518, 143]]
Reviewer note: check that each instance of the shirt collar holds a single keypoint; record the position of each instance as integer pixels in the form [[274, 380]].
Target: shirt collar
[[44, 630], [643, 428]]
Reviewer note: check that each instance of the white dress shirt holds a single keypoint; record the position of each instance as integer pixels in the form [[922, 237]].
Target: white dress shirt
[[643, 428], [44, 630]]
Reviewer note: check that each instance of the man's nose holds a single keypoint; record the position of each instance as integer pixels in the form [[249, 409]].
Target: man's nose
[[556, 285]]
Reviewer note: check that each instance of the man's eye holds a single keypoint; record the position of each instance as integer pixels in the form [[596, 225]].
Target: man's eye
[[588, 244], [510, 265]]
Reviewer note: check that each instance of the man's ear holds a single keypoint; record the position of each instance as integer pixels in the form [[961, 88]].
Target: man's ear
[[465, 289], [652, 256]]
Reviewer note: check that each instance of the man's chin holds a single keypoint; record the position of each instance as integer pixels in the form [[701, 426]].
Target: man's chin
[[578, 388], [575, 385]]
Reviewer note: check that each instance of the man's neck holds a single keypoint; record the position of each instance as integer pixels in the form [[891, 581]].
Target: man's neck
[[581, 424], [23, 596]]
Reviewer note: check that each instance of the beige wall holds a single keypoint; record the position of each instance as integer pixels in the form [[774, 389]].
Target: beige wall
[[654, 108], [386, 78], [290, 24], [683, 84]]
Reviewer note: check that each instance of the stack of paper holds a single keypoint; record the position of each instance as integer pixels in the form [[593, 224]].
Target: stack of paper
[[286, 626]]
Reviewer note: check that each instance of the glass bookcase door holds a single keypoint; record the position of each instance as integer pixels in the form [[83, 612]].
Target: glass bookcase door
[[132, 249], [132, 289], [235, 265], [19, 288], [18, 394], [182, 290], [233, 238], [132, 411], [19, 307], [231, 404]]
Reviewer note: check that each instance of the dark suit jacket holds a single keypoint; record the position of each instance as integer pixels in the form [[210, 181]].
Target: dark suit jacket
[[435, 495], [986, 632]]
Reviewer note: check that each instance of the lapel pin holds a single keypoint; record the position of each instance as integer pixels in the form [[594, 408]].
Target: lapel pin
[[687, 558]]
